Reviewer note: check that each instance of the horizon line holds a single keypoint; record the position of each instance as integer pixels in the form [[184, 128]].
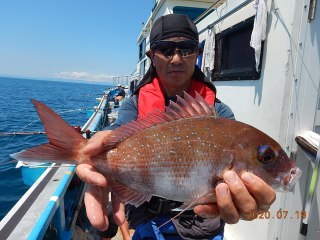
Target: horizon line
[[57, 79]]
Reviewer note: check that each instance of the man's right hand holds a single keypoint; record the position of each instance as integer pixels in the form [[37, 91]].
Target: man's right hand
[[96, 197]]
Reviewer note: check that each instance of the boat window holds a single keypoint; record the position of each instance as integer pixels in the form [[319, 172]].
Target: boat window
[[199, 60], [146, 64], [133, 85], [234, 58], [142, 49], [217, 56], [192, 12]]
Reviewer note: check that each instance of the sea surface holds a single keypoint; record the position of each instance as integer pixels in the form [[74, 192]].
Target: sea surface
[[17, 113]]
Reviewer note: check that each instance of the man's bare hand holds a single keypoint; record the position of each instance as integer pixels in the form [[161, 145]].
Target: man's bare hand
[[94, 145], [96, 197], [238, 196]]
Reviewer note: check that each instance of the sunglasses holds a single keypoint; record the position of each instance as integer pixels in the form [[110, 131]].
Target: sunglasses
[[167, 48]]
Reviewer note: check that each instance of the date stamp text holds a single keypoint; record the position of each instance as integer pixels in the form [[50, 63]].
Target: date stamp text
[[279, 215]]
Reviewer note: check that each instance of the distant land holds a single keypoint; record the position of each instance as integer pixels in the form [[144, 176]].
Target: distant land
[[58, 80]]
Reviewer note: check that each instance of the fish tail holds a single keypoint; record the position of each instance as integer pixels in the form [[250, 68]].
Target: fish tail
[[64, 144]]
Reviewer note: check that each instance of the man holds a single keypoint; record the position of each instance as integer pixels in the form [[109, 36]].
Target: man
[[120, 96], [174, 51]]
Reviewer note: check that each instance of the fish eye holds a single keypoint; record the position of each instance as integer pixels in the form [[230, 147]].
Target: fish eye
[[266, 154], [267, 158]]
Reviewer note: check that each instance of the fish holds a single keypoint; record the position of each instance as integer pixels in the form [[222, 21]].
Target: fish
[[179, 154]]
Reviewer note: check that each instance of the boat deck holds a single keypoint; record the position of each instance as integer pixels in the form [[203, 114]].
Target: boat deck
[[25, 218]]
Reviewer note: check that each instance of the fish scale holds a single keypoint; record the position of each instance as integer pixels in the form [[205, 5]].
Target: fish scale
[[172, 155]]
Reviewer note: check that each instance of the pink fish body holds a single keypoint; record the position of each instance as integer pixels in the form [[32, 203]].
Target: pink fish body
[[180, 155]]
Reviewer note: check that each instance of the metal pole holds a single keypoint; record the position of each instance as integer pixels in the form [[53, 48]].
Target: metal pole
[[226, 15], [214, 6], [312, 189], [312, 10]]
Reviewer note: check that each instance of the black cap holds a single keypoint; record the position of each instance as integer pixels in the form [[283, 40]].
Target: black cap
[[173, 25]]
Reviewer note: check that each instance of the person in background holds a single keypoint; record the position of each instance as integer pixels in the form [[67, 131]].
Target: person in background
[[120, 96], [174, 51]]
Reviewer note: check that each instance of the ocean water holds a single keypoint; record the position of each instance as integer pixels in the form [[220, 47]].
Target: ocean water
[[17, 111]]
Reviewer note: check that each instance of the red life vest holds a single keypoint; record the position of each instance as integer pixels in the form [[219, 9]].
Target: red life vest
[[152, 95]]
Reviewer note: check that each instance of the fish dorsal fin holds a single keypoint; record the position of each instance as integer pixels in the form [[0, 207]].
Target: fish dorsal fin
[[178, 109], [195, 104], [204, 104], [183, 108], [183, 103]]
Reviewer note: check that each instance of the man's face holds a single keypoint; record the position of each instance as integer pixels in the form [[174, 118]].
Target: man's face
[[176, 71]]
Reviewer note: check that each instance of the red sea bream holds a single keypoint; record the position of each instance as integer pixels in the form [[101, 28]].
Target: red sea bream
[[180, 154]]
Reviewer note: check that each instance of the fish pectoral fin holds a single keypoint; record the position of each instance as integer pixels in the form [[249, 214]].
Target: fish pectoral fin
[[127, 195], [183, 208], [207, 198]]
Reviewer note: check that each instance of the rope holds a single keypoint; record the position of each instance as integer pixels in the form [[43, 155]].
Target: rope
[[37, 121], [26, 133], [21, 133]]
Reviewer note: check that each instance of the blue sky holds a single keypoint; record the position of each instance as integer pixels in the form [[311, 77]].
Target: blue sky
[[70, 39]]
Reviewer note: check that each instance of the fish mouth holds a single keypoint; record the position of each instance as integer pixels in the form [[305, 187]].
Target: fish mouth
[[291, 179]]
